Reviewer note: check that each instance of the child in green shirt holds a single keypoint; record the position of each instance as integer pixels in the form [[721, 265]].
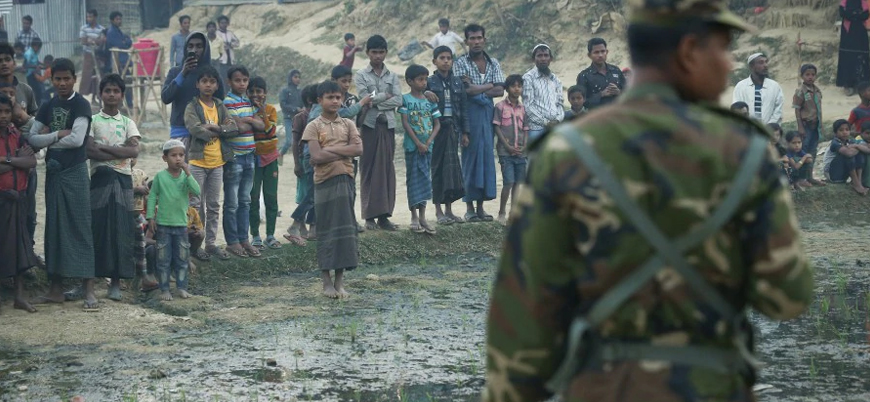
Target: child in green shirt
[[171, 188]]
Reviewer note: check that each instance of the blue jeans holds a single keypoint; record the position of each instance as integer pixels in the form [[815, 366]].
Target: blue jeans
[[513, 169], [238, 182], [534, 134], [173, 253]]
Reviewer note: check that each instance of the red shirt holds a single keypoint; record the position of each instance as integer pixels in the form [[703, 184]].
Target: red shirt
[[346, 60], [17, 178]]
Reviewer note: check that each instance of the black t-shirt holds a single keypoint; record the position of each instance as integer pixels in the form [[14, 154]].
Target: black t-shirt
[[59, 114]]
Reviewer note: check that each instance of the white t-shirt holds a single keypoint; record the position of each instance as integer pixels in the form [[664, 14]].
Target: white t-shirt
[[450, 39]]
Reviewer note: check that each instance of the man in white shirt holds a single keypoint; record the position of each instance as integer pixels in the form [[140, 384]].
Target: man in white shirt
[[762, 94], [445, 37], [542, 93]]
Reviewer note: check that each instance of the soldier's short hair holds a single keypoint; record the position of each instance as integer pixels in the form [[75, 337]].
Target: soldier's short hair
[[653, 46]]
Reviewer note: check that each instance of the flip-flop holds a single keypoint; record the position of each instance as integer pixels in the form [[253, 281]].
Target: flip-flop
[[457, 219], [295, 239], [238, 253], [252, 251], [445, 220], [220, 253], [428, 229], [388, 226], [471, 217], [371, 226], [273, 243], [202, 255], [417, 228], [485, 217]]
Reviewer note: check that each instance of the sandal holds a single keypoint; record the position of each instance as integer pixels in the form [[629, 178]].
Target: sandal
[[485, 217], [238, 253], [202, 255], [220, 253], [388, 226], [471, 217], [371, 226], [445, 220], [428, 229], [258, 244], [91, 307], [457, 219], [251, 250], [295, 239], [273, 243], [417, 228]]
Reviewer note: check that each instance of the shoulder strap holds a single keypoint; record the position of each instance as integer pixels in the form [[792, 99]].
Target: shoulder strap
[[668, 252]]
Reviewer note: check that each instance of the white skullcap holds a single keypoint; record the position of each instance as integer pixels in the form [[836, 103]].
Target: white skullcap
[[753, 57], [172, 144]]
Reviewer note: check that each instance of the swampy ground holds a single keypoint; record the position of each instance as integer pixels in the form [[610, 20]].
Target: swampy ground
[[412, 331]]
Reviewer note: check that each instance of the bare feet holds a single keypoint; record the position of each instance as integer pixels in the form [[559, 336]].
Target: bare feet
[[816, 182], [303, 231], [502, 218], [860, 189], [415, 226], [312, 233], [165, 295], [330, 292], [115, 292], [183, 294], [342, 294], [49, 299], [21, 304], [804, 183]]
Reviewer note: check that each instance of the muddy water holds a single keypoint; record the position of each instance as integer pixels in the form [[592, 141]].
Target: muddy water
[[412, 332]]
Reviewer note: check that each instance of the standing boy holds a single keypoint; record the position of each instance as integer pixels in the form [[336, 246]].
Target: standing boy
[[266, 168], [239, 173], [62, 125], [116, 38], [577, 99], [210, 126], [378, 181], [512, 130], [32, 63], [445, 37], [230, 42], [170, 191], [420, 118], [304, 212], [333, 142], [447, 184], [215, 44], [181, 85], [484, 80], [176, 49], [115, 140], [348, 54], [350, 109], [807, 104], [91, 36], [290, 99], [16, 246]]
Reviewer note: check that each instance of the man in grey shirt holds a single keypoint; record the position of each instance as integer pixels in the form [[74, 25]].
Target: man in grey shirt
[[378, 174]]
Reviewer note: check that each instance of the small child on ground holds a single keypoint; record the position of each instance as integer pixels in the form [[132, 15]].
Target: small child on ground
[[741, 108], [266, 168], [807, 104], [420, 118], [843, 160], [210, 127], [509, 119], [781, 151], [861, 113], [577, 99], [304, 212], [333, 142], [799, 161], [862, 142], [170, 191]]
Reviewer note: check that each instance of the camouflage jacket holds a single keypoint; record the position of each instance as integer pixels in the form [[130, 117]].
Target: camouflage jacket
[[568, 243]]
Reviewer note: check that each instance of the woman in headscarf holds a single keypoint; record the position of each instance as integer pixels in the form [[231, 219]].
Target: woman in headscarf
[[854, 60]]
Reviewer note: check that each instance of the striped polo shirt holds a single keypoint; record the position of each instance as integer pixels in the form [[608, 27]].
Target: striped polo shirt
[[240, 106]]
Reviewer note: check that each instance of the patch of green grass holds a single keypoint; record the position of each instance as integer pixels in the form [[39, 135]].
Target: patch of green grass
[[331, 22], [271, 22]]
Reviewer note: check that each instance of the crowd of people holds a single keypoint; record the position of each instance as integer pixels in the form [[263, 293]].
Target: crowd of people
[[223, 155]]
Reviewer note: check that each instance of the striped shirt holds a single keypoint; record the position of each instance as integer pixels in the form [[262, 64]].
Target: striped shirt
[[91, 34], [26, 37], [542, 95], [465, 67], [240, 106]]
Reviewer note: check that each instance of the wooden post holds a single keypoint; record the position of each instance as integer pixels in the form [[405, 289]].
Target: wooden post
[[143, 86]]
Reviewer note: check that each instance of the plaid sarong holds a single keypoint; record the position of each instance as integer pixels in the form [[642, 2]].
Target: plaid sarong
[[15, 246], [113, 223], [337, 246], [418, 178], [447, 184], [69, 243]]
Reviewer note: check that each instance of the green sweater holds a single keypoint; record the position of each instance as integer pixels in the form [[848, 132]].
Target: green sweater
[[172, 193]]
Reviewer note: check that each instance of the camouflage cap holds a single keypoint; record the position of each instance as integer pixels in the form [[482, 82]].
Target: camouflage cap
[[670, 13]]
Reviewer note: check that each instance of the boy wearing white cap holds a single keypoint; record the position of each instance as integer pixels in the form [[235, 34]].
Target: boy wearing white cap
[[171, 188], [762, 94], [542, 93]]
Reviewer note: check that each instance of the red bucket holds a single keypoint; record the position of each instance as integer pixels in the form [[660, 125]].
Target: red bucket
[[148, 50]]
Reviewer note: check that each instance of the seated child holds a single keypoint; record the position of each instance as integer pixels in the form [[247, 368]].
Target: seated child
[[577, 98], [740, 107], [862, 142], [781, 151], [798, 161], [843, 160]]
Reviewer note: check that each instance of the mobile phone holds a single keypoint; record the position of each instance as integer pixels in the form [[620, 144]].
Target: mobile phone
[[191, 54]]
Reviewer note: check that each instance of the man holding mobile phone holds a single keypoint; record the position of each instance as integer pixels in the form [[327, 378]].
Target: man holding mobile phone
[[180, 85]]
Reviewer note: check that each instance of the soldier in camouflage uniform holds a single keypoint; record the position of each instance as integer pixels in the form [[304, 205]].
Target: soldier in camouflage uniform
[[644, 231]]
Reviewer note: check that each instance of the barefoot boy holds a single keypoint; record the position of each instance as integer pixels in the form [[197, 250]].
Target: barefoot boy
[[510, 127], [170, 191], [843, 160], [304, 212], [807, 104], [420, 118], [798, 160], [333, 142], [115, 140], [62, 125], [16, 160]]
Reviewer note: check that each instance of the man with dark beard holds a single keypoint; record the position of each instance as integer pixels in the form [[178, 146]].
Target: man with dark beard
[[542, 93]]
